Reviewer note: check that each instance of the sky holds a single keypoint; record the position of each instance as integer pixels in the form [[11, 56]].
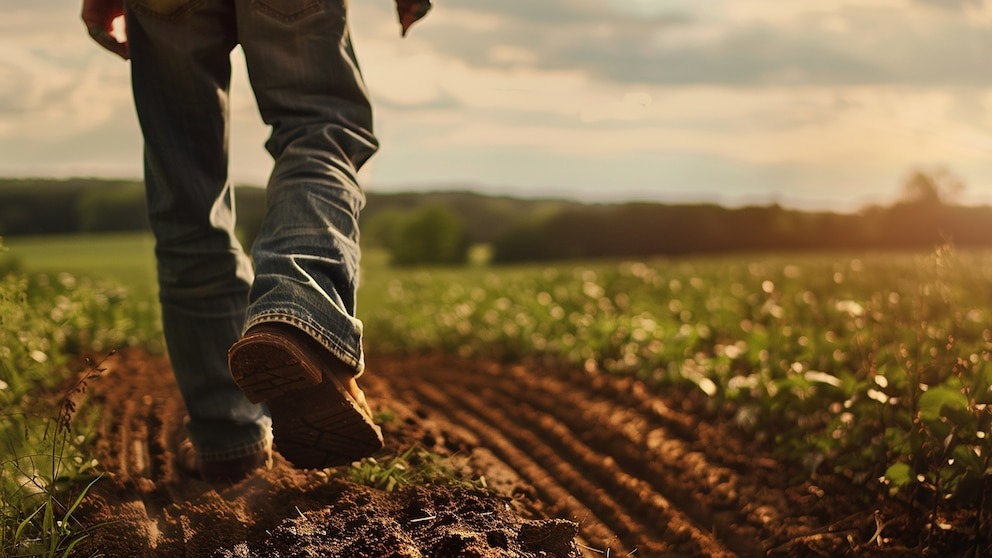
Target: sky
[[813, 104]]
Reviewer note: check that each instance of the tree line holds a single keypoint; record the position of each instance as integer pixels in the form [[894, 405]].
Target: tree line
[[439, 227], [639, 230]]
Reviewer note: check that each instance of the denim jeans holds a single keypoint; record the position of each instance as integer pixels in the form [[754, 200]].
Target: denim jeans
[[304, 265]]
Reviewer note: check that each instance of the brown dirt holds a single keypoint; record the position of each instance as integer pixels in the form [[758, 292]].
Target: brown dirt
[[636, 474]]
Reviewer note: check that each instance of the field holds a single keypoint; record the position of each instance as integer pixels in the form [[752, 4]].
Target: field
[[125, 258], [782, 405]]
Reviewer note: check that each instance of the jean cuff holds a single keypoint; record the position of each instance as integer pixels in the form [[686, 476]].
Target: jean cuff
[[333, 344]]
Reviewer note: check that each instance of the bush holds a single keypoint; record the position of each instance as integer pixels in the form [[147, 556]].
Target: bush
[[430, 235]]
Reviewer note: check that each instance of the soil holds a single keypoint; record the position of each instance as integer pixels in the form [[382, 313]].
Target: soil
[[578, 464]]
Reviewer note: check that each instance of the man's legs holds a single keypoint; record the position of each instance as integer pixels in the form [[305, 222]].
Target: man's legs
[[180, 56], [303, 344], [309, 89]]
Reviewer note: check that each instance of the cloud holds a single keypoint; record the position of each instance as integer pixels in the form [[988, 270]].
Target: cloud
[[42, 96], [745, 42], [828, 85], [568, 12], [952, 4], [853, 126]]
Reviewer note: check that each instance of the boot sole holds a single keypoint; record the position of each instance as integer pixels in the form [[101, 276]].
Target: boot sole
[[316, 423]]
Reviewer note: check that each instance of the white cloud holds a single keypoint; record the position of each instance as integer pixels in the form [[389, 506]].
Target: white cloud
[[44, 97], [768, 126], [512, 55]]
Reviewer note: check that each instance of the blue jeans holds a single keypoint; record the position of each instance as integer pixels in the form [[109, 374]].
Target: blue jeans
[[304, 265]]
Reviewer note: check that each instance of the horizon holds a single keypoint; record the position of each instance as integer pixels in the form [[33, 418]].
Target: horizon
[[827, 105], [483, 190]]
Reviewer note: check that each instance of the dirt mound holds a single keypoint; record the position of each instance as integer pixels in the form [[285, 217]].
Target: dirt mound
[[625, 473]]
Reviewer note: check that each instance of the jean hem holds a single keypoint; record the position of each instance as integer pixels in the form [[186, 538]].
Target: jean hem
[[334, 344]]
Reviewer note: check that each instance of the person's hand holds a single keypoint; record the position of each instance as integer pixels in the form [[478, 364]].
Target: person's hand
[[99, 16], [410, 11]]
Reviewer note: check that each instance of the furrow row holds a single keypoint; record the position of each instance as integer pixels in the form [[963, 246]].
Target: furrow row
[[560, 498], [639, 513], [649, 449], [659, 520], [636, 455]]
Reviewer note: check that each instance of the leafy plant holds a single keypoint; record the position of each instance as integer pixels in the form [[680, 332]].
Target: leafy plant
[[415, 466], [875, 367], [37, 518]]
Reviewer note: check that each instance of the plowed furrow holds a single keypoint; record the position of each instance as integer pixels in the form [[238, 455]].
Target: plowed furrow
[[645, 456], [649, 449], [561, 500], [660, 519], [640, 515], [654, 453], [711, 455], [713, 439]]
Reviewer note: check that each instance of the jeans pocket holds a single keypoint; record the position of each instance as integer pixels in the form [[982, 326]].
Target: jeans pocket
[[164, 9], [287, 11]]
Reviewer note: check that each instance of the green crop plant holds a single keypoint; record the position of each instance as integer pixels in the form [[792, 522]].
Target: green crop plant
[[875, 366]]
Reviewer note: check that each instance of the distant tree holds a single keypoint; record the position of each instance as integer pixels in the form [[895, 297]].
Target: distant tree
[[525, 242], [38, 206], [935, 186], [430, 235], [485, 217], [116, 206], [385, 227]]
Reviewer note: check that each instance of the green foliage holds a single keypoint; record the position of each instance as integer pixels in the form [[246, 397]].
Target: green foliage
[[249, 209], [48, 206], [429, 235], [637, 230], [486, 218], [50, 530], [877, 367], [125, 259], [45, 468], [8, 264], [535, 230], [415, 466], [381, 230], [112, 207]]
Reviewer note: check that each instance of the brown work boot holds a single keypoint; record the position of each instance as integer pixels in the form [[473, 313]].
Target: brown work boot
[[226, 471], [319, 414]]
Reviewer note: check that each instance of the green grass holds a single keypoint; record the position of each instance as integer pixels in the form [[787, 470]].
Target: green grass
[[414, 467], [46, 467], [124, 258], [128, 260]]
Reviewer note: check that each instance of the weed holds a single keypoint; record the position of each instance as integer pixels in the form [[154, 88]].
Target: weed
[[37, 520], [45, 468], [415, 466]]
